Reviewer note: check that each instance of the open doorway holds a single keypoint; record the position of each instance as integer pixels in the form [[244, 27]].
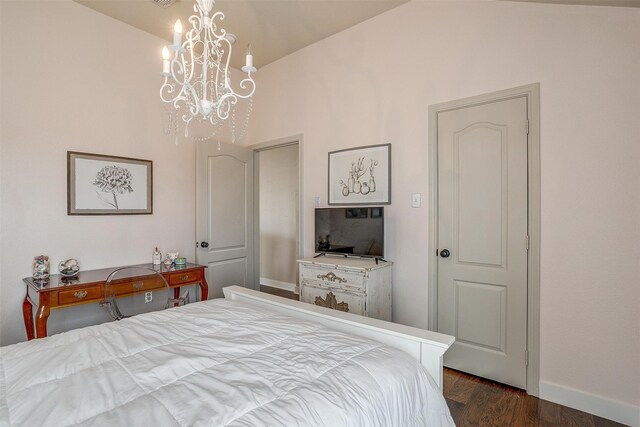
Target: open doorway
[[277, 214]]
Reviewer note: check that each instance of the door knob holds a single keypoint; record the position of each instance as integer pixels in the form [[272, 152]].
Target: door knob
[[204, 244], [445, 253]]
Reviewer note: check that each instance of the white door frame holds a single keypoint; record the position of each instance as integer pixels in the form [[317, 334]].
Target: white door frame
[[268, 145], [532, 94]]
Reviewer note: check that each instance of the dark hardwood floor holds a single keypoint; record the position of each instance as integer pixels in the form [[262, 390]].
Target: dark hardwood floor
[[475, 401], [279, 292]]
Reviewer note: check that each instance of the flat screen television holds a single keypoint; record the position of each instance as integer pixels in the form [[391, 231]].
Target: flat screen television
[[350, 231]]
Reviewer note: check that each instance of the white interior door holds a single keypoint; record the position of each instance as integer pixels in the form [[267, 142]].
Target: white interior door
[[224, 215], [482, 238]]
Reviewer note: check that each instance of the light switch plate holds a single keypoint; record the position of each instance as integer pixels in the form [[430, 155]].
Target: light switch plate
[[317, 201], [416, 200]]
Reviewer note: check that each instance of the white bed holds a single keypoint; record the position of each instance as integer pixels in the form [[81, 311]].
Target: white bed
[[247, 360]]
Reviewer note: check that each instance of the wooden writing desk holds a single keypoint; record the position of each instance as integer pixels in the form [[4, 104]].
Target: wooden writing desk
[[88, 288]]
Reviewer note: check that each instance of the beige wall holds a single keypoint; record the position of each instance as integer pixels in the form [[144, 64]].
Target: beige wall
[[73, 79], [278, 169], [372, 84]]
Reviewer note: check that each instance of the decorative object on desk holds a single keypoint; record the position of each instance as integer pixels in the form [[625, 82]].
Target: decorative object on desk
[[73, 280], [40, 267], [69, 268], [167, 261], [108, 185], [360, 176], [197, 77], [173, 256], [181, 261], [157, 257]]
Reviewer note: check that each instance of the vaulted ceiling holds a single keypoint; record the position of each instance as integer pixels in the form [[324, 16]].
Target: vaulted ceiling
[[275, 28]]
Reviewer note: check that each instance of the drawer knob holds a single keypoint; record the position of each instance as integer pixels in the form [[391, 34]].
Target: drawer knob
[[138, 285], [331, 302], [331, 276], [80, 294], [185, 277]]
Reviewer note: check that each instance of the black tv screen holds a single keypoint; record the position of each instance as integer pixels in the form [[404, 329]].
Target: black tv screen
[[350, 231]]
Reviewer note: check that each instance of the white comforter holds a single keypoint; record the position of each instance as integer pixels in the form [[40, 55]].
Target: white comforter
[[214, 363]]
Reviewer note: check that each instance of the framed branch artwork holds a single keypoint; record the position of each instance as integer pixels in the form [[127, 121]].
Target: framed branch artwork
[[360, 176], [108, 185]]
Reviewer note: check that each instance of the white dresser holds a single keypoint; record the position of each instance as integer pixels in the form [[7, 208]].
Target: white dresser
[[355, 285]]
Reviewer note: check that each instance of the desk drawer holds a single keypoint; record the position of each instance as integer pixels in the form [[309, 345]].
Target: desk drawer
[[186, 277], [79, 295], [136, 285]]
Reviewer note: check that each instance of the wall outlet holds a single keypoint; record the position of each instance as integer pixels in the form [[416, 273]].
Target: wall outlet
[[148, 297], [317, 200]]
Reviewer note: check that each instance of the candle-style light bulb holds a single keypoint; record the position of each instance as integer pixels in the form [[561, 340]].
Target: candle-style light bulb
[[177, 33], [165, 60], [249, 58]]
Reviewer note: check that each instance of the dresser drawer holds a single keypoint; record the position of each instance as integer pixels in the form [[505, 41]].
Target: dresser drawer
[[186, 277], [351, 302], [333, 277], [79, 295]]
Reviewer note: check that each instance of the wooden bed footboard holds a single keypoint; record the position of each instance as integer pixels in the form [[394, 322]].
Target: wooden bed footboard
[[427, 347]]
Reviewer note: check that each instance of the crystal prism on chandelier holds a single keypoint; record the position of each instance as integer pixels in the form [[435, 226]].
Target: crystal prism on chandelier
[[197, 82]]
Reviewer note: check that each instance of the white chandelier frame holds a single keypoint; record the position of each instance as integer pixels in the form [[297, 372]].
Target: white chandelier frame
[[197, 81]]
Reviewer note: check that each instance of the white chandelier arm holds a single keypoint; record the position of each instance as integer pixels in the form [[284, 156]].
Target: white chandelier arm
[[247, 83], [187, 96], [167, 88], [188, 46], [222, 89], [190, 94], [177, 70], [214, 27], [196, 22], [225, 103]]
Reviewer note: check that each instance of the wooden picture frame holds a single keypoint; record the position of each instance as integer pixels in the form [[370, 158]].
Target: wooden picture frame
[[99, 184], [360, 176]]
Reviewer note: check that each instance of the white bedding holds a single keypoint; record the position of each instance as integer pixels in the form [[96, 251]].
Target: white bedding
[[214, 363]]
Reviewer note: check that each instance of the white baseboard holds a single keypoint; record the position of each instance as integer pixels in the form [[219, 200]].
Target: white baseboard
[[278, 284], [615, 410]]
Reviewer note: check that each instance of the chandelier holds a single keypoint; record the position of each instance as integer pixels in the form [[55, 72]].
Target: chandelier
[[197, 82]]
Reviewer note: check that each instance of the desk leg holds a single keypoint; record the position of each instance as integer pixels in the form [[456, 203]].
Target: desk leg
[[27, 314], [204, 288], [176, 295], [42, 316]]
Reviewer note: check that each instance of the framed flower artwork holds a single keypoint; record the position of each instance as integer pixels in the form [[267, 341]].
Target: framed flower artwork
[[108, 185]]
